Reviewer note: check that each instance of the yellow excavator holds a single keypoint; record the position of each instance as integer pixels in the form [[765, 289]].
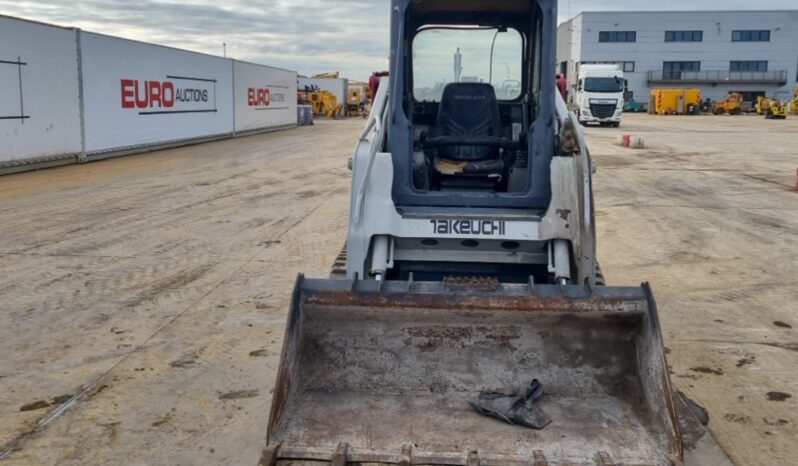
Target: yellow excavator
[[794, 102], [324, 102], [732, 105], [771, 108]]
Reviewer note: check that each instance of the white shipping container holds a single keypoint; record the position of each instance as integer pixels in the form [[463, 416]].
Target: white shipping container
[[39, 92], [265, 97], [138, 94]]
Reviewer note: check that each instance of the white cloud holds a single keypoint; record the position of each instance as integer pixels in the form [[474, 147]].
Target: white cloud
[[310, 36]]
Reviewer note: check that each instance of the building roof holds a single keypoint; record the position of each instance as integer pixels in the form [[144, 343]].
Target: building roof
[[615, 12]]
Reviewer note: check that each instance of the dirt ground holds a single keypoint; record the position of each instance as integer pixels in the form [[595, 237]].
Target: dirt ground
[[143, 299]]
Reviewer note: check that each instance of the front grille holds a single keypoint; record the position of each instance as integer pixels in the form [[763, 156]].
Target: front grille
[[602, 110]]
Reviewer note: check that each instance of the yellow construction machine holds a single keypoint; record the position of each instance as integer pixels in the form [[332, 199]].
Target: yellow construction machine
[[324, 103], [732, 104], [794, 103], [762, 105], [354, 100], [331, 75], [778, 110], [772, 109], [675, 101]]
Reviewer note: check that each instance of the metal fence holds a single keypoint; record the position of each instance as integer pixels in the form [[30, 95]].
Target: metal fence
[[718, 77]]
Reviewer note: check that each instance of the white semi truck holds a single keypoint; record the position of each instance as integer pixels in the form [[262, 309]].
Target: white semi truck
[[599, 95]]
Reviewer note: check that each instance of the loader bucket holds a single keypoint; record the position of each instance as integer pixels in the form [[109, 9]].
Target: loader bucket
[[381, 373]]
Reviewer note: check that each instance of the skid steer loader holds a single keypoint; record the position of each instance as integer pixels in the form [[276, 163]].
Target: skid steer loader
[[470, 269]]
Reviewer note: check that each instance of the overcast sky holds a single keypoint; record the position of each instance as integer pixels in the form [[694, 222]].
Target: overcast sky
[[310, 36]]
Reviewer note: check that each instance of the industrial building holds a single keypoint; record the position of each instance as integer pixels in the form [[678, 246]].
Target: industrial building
[[751, 52]]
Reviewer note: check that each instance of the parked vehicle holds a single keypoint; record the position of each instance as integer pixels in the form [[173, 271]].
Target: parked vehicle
[[772, 109], [470, 267], [732, 104], [675, 101], [599, 95]]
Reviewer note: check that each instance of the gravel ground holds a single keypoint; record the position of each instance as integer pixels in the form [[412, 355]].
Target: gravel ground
[[144, 298]]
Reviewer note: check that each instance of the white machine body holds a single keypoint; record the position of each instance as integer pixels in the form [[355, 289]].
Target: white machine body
[[561, 238]]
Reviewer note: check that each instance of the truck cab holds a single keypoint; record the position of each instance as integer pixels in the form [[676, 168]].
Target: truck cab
[[599, 95]]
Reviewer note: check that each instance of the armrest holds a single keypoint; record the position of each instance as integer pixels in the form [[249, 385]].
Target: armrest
[[484, 141]]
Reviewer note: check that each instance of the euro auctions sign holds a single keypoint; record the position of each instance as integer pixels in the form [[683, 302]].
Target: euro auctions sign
[[258, 97], [175, 94], [267, 98]]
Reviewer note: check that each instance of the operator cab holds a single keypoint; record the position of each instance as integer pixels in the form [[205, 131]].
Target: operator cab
[[472, 104], [468, 148]]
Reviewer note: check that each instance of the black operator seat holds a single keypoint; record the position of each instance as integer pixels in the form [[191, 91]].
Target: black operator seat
[[467, 138]]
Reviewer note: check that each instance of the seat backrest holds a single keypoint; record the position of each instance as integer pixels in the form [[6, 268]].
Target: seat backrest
[[468, 109]]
